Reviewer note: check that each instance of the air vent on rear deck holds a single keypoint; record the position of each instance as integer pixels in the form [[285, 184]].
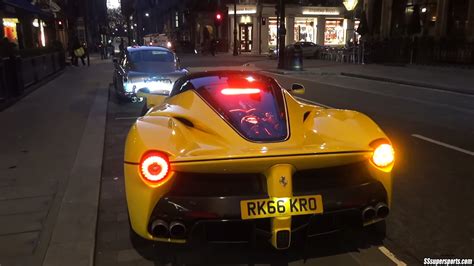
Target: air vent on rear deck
[[185, 121], [305, 116]]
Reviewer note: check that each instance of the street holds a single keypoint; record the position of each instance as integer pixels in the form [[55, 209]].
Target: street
[[432, 182], [432, 131]]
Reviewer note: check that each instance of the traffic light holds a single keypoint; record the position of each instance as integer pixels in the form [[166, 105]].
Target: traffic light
[[218, 18]]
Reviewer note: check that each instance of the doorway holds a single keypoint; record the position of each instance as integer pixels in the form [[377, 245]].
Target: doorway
[[245, 36]]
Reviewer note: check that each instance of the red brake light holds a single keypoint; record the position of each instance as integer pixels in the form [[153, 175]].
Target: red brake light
[[240, 91], [154, 167]]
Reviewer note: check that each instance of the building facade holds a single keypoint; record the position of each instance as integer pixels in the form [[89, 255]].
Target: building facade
[[258, 26], [437, 18]]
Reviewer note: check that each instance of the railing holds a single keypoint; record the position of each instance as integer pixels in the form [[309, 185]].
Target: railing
[[404, 51], [18, 74]]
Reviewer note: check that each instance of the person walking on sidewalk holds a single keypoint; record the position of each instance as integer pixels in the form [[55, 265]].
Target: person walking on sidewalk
[[78, 51]]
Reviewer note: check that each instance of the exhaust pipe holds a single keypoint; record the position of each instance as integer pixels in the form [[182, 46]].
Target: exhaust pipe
[[177, 229], [368, 214], [382, 210], [159, 228]]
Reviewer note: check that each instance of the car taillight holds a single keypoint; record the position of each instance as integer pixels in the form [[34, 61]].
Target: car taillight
[[383, 155], [240, 91], [154, 167]]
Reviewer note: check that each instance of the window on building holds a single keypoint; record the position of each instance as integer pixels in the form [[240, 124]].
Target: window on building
[[176, 19], [305, 29], [9, 29], [272, 32], [334, 33]]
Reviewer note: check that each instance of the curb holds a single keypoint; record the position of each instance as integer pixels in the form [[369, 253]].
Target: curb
[[73, 236], [406, 82]]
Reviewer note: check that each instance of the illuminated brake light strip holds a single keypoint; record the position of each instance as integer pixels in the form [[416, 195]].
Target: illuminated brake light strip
[[240, 91]]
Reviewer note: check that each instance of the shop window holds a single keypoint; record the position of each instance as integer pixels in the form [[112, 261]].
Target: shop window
[[334, 33], [9, 29], [272, 32], [305, 29]]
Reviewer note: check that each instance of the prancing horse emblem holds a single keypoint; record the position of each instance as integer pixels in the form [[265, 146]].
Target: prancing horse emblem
[[283, 181]]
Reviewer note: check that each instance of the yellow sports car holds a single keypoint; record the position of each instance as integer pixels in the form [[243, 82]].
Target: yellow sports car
[[231, 156]]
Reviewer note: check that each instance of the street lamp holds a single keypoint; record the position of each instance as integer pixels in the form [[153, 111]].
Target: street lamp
[[147, 14], [350, 4]]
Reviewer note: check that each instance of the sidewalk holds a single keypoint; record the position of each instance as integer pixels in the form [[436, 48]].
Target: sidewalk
[[440, 78], [50, 162]]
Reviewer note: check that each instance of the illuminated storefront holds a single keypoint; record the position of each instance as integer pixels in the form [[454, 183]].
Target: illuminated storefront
[[305, 29], [257, 27], [10, 29], [334, 32]]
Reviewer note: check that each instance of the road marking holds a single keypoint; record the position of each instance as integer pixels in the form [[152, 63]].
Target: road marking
[[469, 111], [391, 256], [126, 118], [444, 144], [313, 102]]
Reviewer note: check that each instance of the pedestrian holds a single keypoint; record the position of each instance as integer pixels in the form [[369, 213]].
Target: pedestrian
[[102, 50], [77, 52]]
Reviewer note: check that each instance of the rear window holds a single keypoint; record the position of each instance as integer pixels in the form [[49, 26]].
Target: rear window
[[252, 105], [151, 56]]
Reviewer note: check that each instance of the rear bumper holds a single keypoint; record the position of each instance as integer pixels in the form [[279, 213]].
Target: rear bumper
[[217, 219]]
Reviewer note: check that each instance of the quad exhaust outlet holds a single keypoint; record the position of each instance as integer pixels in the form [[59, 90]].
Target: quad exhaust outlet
[[160, 228], [177, 229]]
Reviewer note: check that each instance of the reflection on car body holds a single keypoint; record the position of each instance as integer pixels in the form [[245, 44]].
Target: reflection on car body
[[238, 153], [142, 67]]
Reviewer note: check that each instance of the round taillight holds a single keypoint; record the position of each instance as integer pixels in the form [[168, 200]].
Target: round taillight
[[154, 167], [383, 155]]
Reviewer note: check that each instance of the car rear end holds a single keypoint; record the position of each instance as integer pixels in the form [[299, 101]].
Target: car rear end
[[266, 172]]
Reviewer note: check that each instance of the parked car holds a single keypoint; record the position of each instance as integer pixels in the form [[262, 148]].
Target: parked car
[[146, 67], [231, 156], [309, 49]]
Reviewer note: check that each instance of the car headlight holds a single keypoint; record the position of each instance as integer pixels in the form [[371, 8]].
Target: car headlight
[[383, 155]]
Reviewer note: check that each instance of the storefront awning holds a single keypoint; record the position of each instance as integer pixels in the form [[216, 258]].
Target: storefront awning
[[26, 6]]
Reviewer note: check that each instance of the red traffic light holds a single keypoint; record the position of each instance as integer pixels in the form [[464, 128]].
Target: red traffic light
[[218, 16]]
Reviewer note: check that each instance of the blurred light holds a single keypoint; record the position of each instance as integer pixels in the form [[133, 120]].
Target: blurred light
[[147, 14], [218, 16], [383, 155], [35, 23], [168, 44], [236, 91], [243, 12], [116, 29], [423, 10], [350, 4], [250, 79], [42, 34]]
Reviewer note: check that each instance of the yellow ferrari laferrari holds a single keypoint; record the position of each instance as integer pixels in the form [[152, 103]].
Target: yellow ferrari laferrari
[[231, 156]]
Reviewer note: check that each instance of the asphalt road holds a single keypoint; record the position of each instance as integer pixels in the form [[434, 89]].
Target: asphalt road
[[431, 216]]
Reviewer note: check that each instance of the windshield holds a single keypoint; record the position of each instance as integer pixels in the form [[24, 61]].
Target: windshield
[[253, 105], [151, 56]]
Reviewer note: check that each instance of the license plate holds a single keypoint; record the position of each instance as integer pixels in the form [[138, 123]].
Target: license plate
[[274, 207]]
